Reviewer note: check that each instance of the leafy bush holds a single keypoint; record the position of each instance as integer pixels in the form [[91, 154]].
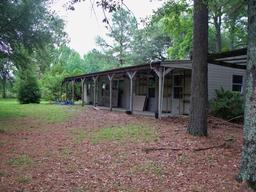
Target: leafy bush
[[227, 104], [28, 88], [51, 85]]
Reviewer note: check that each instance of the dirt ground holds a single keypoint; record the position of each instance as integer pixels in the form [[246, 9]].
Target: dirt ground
[[49, 157]]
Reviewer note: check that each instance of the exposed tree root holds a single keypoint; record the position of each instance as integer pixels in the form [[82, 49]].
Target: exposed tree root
[[227, 143]]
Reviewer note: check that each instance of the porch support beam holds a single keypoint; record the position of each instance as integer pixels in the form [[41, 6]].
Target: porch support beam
[[82, 95], [131, 76], [95, 78], [85, 91], [73, 91], [110, 78], [66, 90], [161, 75], [61, 91]]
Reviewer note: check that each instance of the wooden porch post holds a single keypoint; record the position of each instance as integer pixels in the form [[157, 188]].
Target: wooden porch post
[[61, 89], [94, 90], [161, 75], [82, 95], [110, 78], [85, 92], [73, 90], [66, 90], [131, 76], [160, 92]]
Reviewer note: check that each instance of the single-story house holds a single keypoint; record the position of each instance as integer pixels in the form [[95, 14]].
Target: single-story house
[[159, 87]]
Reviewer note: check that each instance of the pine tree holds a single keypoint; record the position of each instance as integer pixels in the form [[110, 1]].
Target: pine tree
[[199, 96], [28, 88], [248, 162]]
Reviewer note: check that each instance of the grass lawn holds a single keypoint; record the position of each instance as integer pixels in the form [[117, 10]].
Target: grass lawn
[[11, 111]]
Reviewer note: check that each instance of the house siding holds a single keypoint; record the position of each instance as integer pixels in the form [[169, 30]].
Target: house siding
[[220, 76]]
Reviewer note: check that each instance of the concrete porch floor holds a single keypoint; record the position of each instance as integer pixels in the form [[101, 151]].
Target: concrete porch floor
[[144, 113]]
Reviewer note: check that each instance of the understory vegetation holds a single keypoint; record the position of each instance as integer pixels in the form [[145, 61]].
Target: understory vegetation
[[228, 105]]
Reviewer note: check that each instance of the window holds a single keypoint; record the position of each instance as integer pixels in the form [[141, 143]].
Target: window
[[237, 83], [177, 87]]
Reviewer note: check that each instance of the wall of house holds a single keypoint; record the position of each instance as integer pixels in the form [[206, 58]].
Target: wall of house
[[220, 76]]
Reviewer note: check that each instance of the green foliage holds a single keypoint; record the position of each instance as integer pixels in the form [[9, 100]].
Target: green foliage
[[175, 18], [96, 61], [227, 104], [51, 85], [65, 62], [149, 43], [30, 23], [28, 88], [121, 29], [29, 32]]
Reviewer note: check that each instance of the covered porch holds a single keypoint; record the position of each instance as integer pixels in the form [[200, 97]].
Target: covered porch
[[156, 89]]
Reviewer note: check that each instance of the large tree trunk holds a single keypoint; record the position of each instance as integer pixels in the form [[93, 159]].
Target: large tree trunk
[[199, 96], [248, 161]]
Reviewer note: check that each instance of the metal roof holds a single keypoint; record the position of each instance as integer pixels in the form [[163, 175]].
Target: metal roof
[[234, 59]]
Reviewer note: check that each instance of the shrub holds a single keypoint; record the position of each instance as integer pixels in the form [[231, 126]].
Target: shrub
[[227, 104], [28, 88], [51, 85]]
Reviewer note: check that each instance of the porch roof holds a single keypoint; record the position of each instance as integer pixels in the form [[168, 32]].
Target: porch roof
[[233, 59], [181, 64]]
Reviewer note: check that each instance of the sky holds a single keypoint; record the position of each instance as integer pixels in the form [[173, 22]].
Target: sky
[[84, 24]]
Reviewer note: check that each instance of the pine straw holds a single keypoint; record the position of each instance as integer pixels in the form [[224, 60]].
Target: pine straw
[[61, 164]]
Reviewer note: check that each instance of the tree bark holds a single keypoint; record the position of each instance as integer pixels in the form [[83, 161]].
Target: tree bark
[[199, 96], [248, 161]]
